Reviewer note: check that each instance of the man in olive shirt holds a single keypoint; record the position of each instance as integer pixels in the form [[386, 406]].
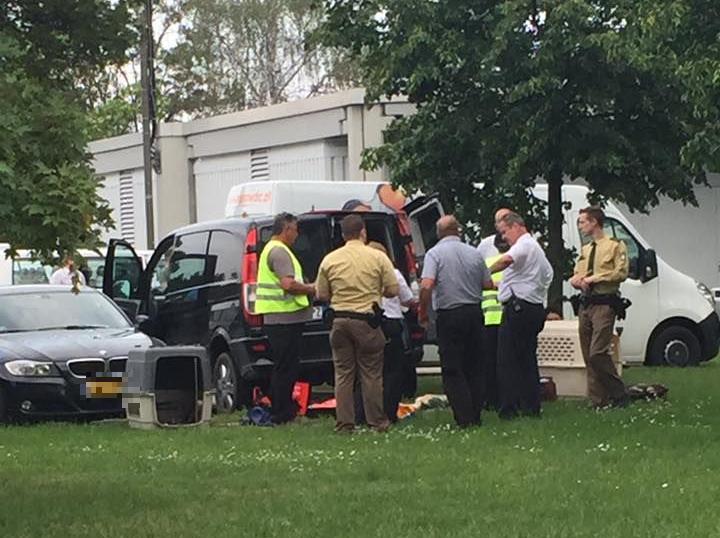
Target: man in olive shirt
[[599, 271], [353, 278]]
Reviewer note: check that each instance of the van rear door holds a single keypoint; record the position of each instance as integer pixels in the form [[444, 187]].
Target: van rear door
[[423, 213]]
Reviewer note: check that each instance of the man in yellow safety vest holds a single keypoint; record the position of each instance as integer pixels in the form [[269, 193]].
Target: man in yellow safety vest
[[285, 301], [492, 312]]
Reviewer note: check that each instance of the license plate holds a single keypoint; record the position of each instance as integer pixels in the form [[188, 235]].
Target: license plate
[[103, 388], [317, 312]]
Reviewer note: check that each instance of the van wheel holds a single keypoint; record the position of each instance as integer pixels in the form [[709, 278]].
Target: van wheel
[[231, 391], [675, 346]]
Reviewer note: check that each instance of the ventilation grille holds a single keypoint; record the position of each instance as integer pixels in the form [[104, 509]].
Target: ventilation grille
[[127, 209], [558, 349], [259, 165]]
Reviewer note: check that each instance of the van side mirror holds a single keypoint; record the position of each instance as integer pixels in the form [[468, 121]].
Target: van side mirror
[[649, 267]]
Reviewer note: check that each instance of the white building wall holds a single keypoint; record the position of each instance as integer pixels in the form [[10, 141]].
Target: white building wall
[[128, 213], [312, 161]]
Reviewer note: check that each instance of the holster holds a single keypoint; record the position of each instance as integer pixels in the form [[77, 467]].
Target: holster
[[616, 302]]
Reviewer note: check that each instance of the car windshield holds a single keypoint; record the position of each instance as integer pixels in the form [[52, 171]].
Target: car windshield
[[58, 310]]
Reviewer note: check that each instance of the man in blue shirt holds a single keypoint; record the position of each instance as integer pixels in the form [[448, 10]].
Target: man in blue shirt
[[454, 276]]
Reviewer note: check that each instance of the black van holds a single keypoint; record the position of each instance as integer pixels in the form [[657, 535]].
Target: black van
[[199, 288]]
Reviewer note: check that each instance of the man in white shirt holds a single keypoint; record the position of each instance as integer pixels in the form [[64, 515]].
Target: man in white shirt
[[65, 275], [523, 292], [487, 246]]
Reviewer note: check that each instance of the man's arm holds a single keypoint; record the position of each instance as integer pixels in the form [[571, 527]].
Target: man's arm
[[404, 292], [293, 287], [322, 284], [389, 280], [502, 264], [426, 288], [281, 264]]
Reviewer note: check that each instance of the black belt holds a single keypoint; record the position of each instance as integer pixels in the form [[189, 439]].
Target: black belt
[[505, 303], [353, 315]]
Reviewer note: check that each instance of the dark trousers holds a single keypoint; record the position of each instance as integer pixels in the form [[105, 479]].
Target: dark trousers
[[490, 360], [285, 342], [394, 362], [518, 375], [460, 345], [596, 331]]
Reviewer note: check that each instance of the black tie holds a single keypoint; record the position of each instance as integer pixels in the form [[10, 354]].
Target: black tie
[[591, 259]]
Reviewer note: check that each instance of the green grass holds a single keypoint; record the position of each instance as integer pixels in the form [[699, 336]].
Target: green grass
[[650, 470]]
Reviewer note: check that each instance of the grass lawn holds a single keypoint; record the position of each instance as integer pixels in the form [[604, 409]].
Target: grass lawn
[[650, 470]]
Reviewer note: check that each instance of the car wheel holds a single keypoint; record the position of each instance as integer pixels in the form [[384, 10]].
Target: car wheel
[[675, 346], [231, 391]]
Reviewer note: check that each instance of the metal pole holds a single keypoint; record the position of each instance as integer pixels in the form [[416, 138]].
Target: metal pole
[[145, 81]]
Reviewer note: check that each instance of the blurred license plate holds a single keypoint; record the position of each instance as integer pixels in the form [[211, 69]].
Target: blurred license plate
[[103, 388], [318, 312]]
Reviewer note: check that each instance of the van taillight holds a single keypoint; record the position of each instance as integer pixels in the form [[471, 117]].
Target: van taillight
[[249, 277]]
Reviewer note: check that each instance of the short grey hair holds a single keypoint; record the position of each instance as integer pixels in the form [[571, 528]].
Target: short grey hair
[[281, 221], [512, 218]]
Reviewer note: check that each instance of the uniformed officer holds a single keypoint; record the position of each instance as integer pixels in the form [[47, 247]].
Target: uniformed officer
[[601, 267], [355, 278], [453, 276], [523, 291], [492, 311], [283, 298]]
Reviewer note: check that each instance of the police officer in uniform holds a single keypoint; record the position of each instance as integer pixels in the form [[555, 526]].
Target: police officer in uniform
[[599, 271], [492, 311], [523, 292], [355, 278], [284, 300]]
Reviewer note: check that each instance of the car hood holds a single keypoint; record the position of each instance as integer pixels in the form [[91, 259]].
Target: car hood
[[59, 345]]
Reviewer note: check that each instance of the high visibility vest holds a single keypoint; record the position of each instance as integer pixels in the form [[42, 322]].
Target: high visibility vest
[[491, 307], [270, 297]]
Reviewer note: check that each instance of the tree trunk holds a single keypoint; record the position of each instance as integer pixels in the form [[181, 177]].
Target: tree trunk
[[555, 239]]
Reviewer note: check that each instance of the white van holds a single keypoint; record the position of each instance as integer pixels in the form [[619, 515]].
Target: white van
[[25, 269], [672, 319]]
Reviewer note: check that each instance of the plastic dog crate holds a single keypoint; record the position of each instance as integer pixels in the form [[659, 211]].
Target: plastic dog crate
[[560, 357], [168, 387]]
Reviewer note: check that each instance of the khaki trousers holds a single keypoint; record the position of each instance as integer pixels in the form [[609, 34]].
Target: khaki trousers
[[358, 350], [596, 330]]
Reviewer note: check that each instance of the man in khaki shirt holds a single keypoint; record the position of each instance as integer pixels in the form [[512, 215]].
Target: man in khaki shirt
[[353, 278], [599, 271]]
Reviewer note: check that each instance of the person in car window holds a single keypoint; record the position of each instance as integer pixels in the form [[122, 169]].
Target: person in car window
[[286, 303]]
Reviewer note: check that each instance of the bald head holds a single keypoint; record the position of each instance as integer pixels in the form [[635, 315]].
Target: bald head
[[447, 225]]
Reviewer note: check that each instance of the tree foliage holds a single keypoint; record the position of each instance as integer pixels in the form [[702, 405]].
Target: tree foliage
[[218, 56], [48, 192], [508, 92]]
